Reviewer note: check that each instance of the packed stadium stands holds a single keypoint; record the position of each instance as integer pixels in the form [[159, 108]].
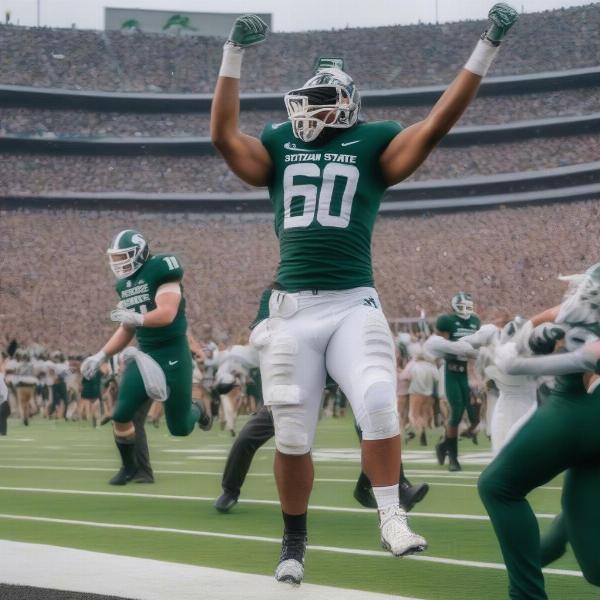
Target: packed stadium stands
[[504, 256], [485, 110], [35, 173], [402, 56]]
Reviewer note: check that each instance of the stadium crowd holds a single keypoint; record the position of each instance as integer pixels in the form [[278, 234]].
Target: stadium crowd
[[504, 257], [36, 173], [485, 110], [403, 56]]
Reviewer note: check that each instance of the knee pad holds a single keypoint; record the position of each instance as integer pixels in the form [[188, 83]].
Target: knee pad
[[278, 352], [291, 436], [380, 418], [378, 375]]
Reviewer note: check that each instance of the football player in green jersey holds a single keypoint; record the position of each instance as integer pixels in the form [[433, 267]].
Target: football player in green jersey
[[152, 309], [326, 171], [453, 327], [561, 435]]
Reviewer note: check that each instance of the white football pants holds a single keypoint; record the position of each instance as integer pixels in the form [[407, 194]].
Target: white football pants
[[311, 333]]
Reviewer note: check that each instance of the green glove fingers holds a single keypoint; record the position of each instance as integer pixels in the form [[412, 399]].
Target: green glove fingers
[[500, 19], [247, 31]]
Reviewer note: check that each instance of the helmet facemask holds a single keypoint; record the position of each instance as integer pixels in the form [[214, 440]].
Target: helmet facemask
[[329, 99], [124, 262], [462, 305]]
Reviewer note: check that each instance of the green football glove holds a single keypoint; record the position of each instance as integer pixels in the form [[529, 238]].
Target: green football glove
[[500, 19], [247, 31]]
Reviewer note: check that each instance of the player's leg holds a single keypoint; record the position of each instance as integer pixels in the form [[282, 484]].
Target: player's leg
[[181, 414], [360, 357], [292, 365], [144, 473], [409, 494], [258, 429], [132, 394], [553, 543], [581, 500], [504, 484], [457, 393], [4, 414]]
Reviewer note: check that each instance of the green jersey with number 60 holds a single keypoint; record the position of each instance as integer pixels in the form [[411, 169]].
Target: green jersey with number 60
[[326, 197], [138, 293]]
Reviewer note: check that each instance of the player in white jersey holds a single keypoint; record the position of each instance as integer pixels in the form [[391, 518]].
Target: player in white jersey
[[517, 393]]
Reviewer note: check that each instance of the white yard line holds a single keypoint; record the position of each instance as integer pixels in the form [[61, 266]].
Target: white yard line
[[54, 467], [113, 575], [255, 538], [341, 509]]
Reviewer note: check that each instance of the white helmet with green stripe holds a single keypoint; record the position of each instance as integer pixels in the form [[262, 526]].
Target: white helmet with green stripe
[[462, 305], [128, 251]]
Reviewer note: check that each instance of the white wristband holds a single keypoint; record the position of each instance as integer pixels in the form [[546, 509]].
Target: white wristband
[[231, 65], [482, 57]]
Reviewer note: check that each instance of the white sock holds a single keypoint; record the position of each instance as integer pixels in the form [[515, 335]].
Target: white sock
[[386, 496]]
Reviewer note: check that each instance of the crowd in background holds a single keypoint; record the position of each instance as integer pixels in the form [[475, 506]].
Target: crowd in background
[[485, 110], [51, 385], [402, 56], [36, 173], [56, 287]]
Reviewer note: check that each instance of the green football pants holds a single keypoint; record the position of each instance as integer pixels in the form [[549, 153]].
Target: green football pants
[[458, 394], [176, 362], [561, 435]]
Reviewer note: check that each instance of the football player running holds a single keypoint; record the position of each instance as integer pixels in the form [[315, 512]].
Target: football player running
[[561, 435], [454, 326], [326, 172], [151, 308]]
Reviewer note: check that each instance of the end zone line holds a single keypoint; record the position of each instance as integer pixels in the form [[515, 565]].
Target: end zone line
[[256, 538], [341, 509]]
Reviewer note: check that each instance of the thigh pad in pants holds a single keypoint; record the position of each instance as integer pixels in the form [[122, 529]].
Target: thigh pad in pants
[[361, 358]]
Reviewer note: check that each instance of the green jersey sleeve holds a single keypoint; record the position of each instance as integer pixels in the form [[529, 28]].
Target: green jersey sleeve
[[166, 268]]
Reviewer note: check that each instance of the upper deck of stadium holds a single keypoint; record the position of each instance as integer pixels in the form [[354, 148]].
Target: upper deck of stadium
[[378, 58]]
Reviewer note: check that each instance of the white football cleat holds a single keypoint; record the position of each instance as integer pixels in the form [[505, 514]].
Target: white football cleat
[[396, 535], [291, 562]]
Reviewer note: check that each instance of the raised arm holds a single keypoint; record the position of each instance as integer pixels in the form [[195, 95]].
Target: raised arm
[[411, 147], [245, 154]]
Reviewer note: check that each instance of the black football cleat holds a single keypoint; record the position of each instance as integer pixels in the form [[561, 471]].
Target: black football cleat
[[225, 502], [453, 464], [142, 477], [364, 496], [441, 451], [123, 477], [205, 422], [410, 494]]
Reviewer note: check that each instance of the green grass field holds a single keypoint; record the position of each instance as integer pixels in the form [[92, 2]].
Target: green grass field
[[53, 477]]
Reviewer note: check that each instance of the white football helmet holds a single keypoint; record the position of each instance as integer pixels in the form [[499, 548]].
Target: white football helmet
[[128, 251], [329, 99], [462, 305], [581, 303]]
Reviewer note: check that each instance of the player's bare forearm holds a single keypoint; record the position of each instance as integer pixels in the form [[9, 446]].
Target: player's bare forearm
[[409, 149], [245, 155], [225, 111], [450, 107], [547, 316], [119, 340]]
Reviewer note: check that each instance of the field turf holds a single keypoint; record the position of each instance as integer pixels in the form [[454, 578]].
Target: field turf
[[53, 490]]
